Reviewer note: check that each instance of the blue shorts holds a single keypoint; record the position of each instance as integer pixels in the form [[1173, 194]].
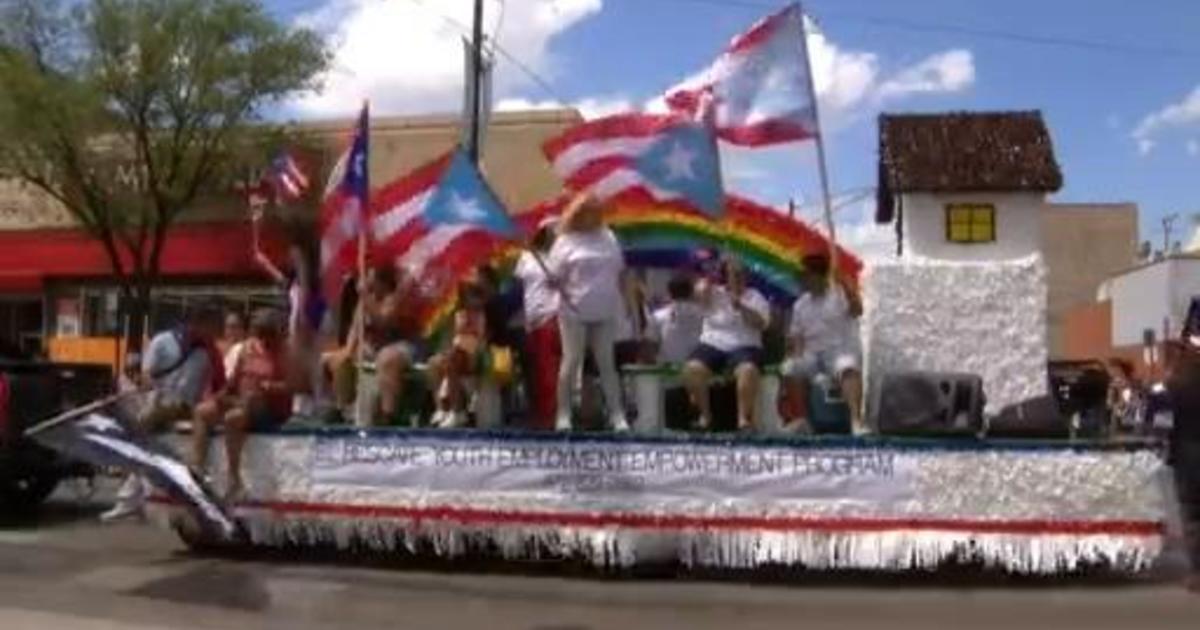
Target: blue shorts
[[718, 361]]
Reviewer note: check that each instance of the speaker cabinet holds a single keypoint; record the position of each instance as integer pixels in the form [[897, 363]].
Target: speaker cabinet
[[1039, 417], [929, 404]]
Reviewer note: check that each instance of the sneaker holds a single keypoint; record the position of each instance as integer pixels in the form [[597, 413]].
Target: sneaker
[[439, 418], [122, 511], [562, 423], [456, 420], [798, 426], [619, 424]]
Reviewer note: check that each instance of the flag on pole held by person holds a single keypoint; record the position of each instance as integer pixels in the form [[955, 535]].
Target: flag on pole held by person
[[102, 439], [343, 211], [439, 221], [667, 158], [760, 86], [287, 177]]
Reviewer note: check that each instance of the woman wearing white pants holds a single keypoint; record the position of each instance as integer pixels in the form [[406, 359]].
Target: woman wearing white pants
[[586, 263]]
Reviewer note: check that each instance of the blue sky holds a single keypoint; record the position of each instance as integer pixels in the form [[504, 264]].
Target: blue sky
[[1119, 114]]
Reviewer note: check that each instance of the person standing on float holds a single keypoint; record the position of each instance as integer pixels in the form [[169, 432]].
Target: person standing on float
[[543, 348], [585, 263]]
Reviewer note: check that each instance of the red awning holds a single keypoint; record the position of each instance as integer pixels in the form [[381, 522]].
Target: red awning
[[29, 257]]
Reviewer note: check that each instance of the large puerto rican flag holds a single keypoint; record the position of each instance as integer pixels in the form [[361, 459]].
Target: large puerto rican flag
[[343, 212], [440, 220], [760, 86], [667, 158]]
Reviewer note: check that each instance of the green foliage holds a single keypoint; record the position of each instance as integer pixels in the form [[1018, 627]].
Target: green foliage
[[125, 111]]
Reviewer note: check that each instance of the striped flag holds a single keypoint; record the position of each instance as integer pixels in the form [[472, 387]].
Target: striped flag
[[416, 223], [287, 178], [660, 158], [761, 85], [104, 439], [343, 212]]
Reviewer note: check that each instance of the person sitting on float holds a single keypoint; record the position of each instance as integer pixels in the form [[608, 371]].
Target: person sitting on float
[[257, 398], [585, 265], [389, 301], [735, 316], [679, 322], [465, 358], [823, 339], [635, 336]]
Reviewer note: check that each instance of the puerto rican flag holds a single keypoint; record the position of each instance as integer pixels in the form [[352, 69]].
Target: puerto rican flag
[[287, 177], [440, 220], [667, 158], [342, 212], [760, 87]]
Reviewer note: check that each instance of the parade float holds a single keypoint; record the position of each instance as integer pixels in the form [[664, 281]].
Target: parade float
[[704, 501], [975, 302]]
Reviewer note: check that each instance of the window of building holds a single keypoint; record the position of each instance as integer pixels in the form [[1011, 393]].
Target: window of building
[[970, 223]]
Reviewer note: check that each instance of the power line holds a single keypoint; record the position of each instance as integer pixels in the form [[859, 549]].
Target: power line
[[495, 44], [959, 29]]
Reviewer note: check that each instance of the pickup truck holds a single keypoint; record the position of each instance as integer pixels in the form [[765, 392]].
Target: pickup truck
[[31, 391]]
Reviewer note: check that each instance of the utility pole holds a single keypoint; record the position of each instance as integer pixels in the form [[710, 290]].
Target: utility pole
[[476, 78], [1168, 222]]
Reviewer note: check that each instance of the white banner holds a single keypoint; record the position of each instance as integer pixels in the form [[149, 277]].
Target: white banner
[[616, 471]]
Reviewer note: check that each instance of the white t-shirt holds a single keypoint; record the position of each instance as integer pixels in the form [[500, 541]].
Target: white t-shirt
[[678, 327], [541, 301], [627, 327], [725, 328], [231, 358], [823, 323], [589, 265], [175, 382]]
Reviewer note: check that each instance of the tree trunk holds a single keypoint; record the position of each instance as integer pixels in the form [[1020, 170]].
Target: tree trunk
[[137, 306]]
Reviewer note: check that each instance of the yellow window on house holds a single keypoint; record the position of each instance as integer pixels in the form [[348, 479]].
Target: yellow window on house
[[970, 223]]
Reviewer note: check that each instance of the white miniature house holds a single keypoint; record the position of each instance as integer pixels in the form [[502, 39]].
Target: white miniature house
[[967, 291]]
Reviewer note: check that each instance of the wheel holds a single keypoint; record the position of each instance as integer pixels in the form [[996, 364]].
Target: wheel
[[24, 491]]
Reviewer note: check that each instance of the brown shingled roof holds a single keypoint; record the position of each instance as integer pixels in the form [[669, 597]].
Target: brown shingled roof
[[963, 151]]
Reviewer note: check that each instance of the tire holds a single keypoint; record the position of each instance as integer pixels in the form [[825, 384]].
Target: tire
[[24, 491]]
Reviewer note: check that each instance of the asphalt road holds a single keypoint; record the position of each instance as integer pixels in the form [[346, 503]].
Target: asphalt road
[[64, 570]]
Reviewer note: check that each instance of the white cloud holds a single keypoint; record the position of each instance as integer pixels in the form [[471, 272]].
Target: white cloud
[[589, 107], [1185, 113], [1193, 147], [407, 57], [949, 71]]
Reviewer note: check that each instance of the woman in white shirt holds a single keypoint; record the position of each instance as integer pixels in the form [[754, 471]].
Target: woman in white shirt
[[542, 346], [586, 262], [735, 316]]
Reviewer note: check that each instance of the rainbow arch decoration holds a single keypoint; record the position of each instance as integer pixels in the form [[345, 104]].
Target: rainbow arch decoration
[[666, 236]]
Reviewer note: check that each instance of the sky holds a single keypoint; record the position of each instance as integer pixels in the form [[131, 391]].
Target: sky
[[1119, 86]]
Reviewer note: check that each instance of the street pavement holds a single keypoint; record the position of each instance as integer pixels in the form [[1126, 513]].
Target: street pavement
[[65, 570]]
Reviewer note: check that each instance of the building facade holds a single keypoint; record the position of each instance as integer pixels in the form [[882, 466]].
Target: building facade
[[57, 293]]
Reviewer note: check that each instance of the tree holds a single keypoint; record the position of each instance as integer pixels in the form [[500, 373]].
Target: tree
[[165, 89]]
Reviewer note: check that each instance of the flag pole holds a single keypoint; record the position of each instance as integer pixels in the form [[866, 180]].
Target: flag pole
[[360, 352], [823, 170]]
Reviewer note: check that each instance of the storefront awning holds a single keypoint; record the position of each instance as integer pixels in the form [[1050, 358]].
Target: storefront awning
[[30, 257]]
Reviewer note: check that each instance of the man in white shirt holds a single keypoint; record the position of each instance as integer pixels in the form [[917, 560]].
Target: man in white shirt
[[735, 317], [179, 365], [823, 339]]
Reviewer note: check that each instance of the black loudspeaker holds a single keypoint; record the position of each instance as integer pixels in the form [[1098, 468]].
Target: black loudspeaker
[[1038, 417], [929, 403]]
